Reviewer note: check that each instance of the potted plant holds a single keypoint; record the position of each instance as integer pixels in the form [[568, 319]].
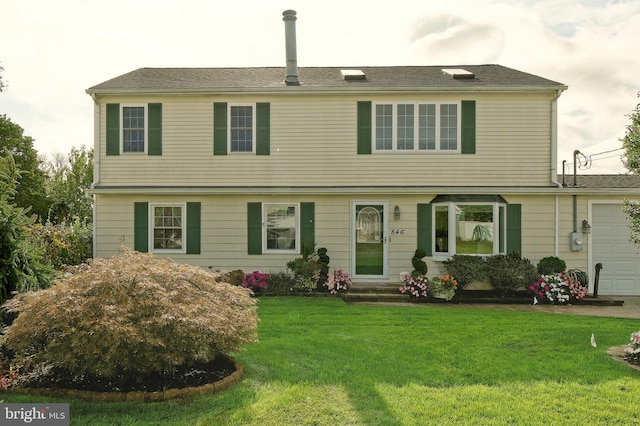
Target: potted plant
[[444, 287]]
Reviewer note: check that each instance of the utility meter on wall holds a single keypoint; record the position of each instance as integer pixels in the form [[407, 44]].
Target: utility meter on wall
[[577, 241]]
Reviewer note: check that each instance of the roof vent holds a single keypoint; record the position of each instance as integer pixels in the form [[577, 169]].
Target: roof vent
[[353, 75], [458, 73]]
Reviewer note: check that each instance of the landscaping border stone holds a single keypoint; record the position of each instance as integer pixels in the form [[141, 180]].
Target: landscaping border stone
[[617, 353]]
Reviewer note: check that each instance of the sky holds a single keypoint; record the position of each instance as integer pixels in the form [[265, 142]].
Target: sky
[[52, 51]]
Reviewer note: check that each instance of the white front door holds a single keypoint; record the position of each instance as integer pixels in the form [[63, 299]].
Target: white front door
[[369, 239]]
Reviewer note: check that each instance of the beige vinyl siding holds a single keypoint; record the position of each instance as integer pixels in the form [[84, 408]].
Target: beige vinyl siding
[[224, 229], [313, 143]]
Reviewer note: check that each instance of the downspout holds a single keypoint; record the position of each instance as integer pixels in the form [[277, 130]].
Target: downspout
[[96, 165], [554, 139], [554, 167], [557, 227]]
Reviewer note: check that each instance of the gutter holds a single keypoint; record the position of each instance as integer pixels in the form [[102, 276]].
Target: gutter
[[329, 190], [337, 90]]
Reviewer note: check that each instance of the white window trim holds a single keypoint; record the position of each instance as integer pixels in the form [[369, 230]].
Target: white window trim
[[253, 128], [146, 128], [296, 249], [183, 227], [451, 242], [394, 126]]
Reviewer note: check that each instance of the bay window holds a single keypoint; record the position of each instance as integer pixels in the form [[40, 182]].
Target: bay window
[[470, 228]]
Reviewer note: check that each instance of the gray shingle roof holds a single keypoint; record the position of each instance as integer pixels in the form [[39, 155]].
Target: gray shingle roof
[[603, 181], [419, 77]]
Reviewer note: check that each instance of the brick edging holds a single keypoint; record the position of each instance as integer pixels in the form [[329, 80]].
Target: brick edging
[[140, 396]]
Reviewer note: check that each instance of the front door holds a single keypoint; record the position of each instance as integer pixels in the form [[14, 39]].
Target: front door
[[369, 239]]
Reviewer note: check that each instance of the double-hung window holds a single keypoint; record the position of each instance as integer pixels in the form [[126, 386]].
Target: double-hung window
[[134, 128], [476, 228], [281, 227], [242, 125], [417, 126], [168, 227]]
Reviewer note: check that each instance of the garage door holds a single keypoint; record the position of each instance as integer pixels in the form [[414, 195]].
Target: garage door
[[611, 247]]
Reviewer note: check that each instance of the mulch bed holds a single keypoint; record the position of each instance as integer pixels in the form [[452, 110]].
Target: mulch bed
[[197, 379]]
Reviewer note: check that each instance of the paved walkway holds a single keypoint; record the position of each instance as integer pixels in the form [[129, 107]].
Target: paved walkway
[[629, 309]]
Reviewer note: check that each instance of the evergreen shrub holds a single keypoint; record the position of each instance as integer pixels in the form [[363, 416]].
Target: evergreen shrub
[[465, 269], [509, 273], [551, 265]]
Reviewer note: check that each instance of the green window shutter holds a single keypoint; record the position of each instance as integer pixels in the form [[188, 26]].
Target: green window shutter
[[514, 228], [364, 127], [468, 128], [220, 128], [155, 129], [424, 228], [307, 225], [113, 129], [254, 228], [141, 227], [501, 219], [193, 228], [263, 128]]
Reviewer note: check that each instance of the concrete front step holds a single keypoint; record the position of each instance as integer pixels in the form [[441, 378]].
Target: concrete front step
[[375, 297], [375, 293]]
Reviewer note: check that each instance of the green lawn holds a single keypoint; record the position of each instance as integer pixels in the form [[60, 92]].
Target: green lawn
[[321, 362]]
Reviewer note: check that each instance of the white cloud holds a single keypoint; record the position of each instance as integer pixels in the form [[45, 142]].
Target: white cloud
[[56, 50]]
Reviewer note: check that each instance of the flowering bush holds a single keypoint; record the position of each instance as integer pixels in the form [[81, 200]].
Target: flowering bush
[[418, 287], [632, 351], [445, 286], [557, 288], [338, 280], [255, 281]]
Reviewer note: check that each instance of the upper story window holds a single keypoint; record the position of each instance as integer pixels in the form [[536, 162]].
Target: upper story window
[[281, 227], [417, 126], [134, 128], [241, 128]]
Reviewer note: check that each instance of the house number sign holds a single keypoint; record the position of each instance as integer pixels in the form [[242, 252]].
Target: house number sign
[[397, 232]]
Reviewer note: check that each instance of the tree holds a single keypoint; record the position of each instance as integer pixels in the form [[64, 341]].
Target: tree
[[22, 266], [631, 143], [30, 190], [67, 180]]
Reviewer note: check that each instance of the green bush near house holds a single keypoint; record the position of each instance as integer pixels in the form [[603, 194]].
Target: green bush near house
[[419, 265], [551, 265], [121, 318], [509, 273], [281, 284], [465, 269]]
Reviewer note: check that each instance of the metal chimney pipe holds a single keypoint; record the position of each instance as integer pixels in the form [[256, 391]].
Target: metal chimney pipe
[[289, 18]]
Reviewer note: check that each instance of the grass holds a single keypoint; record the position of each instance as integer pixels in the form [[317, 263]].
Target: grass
[[321, 362]]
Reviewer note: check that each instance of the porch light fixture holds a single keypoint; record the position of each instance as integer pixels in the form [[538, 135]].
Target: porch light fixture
[[586, 228], [396, 212]]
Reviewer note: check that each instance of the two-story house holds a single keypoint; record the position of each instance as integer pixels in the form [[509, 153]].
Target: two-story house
[[240, 167]]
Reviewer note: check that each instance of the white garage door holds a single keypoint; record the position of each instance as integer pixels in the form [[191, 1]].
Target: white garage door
[[618, 255]]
